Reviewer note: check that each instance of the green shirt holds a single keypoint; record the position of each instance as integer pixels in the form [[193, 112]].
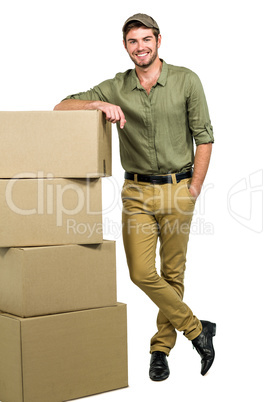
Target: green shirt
[[160, 128]]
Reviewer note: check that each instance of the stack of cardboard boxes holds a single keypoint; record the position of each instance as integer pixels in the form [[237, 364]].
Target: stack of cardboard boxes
[[62, 333]]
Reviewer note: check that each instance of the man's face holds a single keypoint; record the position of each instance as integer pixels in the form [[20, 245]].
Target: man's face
[[142, 47]]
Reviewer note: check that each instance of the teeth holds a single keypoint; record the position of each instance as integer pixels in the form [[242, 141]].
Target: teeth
[[142, 55]]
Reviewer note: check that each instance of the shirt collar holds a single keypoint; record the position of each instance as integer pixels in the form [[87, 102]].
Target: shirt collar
[[162, 80]]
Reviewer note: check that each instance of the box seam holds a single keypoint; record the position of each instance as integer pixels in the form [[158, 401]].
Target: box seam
[[21, 360], [99, 123], [23, 312]]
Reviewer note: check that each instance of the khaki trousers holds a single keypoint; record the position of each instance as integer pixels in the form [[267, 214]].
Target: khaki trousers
[[152, 211]]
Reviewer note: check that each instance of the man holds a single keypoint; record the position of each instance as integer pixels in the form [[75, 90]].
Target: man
[[159, 109]]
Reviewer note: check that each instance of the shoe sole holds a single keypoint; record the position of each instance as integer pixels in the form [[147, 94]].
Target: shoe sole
[[159, 379], [212, 330]]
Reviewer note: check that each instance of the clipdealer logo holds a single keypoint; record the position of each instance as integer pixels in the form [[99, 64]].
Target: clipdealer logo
[[50, 197], [245, 201]]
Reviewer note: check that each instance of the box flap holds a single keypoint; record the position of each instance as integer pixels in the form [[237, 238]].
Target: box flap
[[11, 381]]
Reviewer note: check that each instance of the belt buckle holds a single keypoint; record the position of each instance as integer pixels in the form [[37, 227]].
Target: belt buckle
[[154, 181]]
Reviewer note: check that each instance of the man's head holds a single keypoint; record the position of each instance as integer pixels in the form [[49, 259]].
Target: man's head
[[141, 39], [138, 21]]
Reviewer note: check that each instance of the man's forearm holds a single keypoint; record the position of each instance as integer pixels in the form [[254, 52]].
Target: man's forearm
[[76, 104], [201, 163], [112, 112]]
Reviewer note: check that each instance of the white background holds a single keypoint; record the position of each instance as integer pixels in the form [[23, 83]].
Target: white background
[[50, 49]]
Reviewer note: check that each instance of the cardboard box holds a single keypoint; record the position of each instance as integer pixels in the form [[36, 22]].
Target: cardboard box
[[54, 279], [65, 356], [37, 212], [59, 143]]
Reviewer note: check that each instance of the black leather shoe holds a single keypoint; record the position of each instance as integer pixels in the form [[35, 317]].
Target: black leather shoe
[[204, 346], [159, 370]]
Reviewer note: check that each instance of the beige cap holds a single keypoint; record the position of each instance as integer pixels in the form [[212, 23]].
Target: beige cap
[[144, 19]]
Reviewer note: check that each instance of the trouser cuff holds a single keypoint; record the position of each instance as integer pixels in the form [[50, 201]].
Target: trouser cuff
[[160, 349], [194, 334]]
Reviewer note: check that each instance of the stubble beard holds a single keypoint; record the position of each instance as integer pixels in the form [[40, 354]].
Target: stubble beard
[[142, 64]]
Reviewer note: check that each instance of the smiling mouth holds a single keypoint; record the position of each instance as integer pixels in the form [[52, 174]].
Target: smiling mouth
[[142, 54]]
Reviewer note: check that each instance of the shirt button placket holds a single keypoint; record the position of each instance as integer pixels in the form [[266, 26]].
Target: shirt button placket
[[151, 134]]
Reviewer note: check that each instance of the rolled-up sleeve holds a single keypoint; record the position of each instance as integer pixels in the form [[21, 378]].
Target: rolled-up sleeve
[[198, 114], [102, 92]]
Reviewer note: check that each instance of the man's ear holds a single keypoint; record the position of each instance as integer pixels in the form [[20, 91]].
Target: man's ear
[[124, 43], [159, 41]]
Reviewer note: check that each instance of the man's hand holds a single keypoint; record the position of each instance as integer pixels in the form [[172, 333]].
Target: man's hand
[[112, 112], [194, 192]]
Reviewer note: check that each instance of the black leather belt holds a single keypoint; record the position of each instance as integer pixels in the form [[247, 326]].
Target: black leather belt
[[158, 179]]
